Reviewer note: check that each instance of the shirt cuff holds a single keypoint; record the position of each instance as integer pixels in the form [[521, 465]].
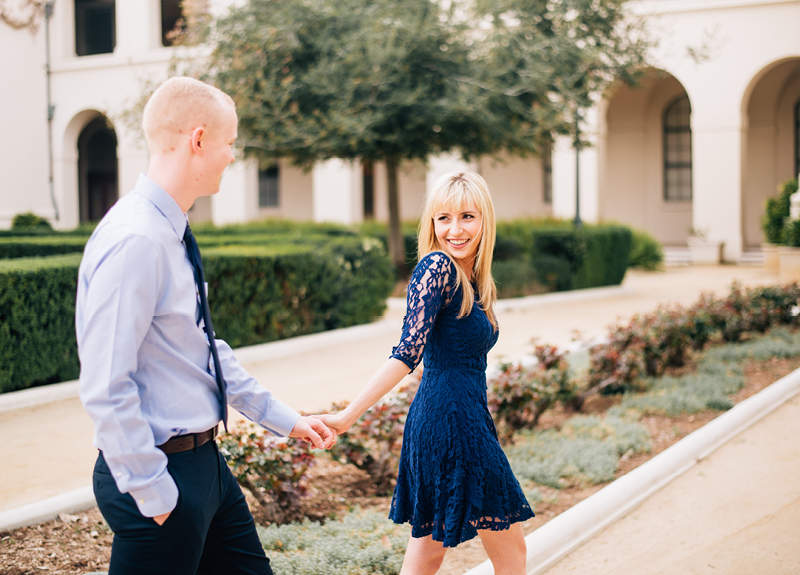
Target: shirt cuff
[[159, 498], [280, 418]]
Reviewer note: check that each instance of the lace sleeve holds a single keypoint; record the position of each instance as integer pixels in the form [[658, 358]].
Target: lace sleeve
[[429, 290]]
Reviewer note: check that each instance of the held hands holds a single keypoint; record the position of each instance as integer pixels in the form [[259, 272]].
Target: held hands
[[337, 422], [314, 430]]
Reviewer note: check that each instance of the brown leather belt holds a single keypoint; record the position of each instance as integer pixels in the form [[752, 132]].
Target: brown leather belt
[[188, 442]]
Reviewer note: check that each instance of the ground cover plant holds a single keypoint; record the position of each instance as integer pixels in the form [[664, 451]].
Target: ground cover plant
[[565, 457]]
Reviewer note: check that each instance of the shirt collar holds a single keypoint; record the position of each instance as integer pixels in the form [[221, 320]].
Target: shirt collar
[[165, 203]]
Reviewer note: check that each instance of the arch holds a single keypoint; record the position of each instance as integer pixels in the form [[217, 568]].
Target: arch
[[98, 172], [769, 147], [632, 158]]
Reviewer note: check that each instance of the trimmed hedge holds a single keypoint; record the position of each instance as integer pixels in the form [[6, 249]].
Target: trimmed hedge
[[37, 325], [257, 293], [36, 245], [259, 296]]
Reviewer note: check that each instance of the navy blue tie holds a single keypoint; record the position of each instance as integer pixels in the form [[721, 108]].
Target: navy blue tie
[[197, 264]]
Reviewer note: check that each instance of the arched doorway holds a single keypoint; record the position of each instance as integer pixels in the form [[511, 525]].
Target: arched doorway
[[645, 149], [772, 140], [98, 186]]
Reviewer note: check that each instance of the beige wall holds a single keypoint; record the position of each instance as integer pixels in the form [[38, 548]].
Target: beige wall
[[411, 182], [296, 194], [23, 126], [632, 187], [517, 186], [770, 143]]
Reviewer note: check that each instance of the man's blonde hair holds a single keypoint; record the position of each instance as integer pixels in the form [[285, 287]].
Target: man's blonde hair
[[177, 107]]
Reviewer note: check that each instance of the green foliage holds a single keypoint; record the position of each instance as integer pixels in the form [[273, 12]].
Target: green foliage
[[37, 328], [605, 261], [626, 436], [776, 212], [258, 292], [518, 395], [791, 233], [258, 295], [361, 543], [40, 245], [585, 450], [29, 220], [274, 470], [373, 443], [646, 253], [559, 461], [709, 388]]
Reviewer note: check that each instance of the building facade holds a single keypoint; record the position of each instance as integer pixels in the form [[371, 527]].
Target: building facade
[[700, 144]]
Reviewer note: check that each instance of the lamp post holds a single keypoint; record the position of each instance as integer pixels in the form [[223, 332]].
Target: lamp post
[[577, 221], [51, 109]]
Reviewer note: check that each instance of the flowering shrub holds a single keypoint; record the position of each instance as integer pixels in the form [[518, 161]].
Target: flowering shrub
[[273, 469], [373, 444], [519, 395], [651, 343]]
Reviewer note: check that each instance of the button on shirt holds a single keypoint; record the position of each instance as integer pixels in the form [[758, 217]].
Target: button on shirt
[[145, 373]]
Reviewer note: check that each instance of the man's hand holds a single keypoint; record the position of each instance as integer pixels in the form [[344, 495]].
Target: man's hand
[[337, 422], [160, 519], [313, 430]]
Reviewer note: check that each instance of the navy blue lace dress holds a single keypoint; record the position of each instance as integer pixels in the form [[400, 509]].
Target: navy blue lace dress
[[454, 478]]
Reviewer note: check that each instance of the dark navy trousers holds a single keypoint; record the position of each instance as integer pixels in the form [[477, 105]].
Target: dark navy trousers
[[210, 531]]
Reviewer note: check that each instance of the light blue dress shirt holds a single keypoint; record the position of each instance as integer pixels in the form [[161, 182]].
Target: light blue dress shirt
[[145, 361]]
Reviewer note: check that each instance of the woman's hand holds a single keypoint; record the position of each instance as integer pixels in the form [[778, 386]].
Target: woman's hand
[[315, 431], [338, 422]]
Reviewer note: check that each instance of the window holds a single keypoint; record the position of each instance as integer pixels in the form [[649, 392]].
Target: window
[[678, 151], [369, 190], [797, 140], [268, 188], [547, 172], [172, 21], [95, 27]]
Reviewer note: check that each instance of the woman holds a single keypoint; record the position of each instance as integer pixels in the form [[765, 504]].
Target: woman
[[454, 480]]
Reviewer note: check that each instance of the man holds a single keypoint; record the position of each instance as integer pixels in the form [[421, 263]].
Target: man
[[154, 380]]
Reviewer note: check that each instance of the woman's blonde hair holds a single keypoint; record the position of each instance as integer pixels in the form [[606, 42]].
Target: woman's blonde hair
[[454, 191]]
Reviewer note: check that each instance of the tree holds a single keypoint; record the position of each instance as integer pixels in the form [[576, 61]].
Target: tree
[[550, 58], [352, 79], [27, 14], [396, 80]]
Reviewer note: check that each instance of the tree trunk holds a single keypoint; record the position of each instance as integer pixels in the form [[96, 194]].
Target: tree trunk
[[396, 248]]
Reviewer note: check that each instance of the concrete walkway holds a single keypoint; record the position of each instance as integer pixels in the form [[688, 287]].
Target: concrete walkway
[[736, 512], [46, 449]]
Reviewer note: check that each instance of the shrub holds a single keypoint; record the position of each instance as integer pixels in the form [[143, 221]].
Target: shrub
[[707, 389], [273, 469], [608, 249], [37, 321], [373, 444], [258, 293], [40, 245], [30, 220], [776, 211], [559, 461], [586, 450], [361, 543], [646, 252], [519, 395], [261, 294]]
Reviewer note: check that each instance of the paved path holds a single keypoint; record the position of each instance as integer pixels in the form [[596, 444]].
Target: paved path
[[735, 513], [46, 450]]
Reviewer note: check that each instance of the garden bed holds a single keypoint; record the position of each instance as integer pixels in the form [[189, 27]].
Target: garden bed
[[81, 543]]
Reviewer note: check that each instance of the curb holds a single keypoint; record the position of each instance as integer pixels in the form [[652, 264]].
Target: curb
[[47, 509], [568, 531]]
